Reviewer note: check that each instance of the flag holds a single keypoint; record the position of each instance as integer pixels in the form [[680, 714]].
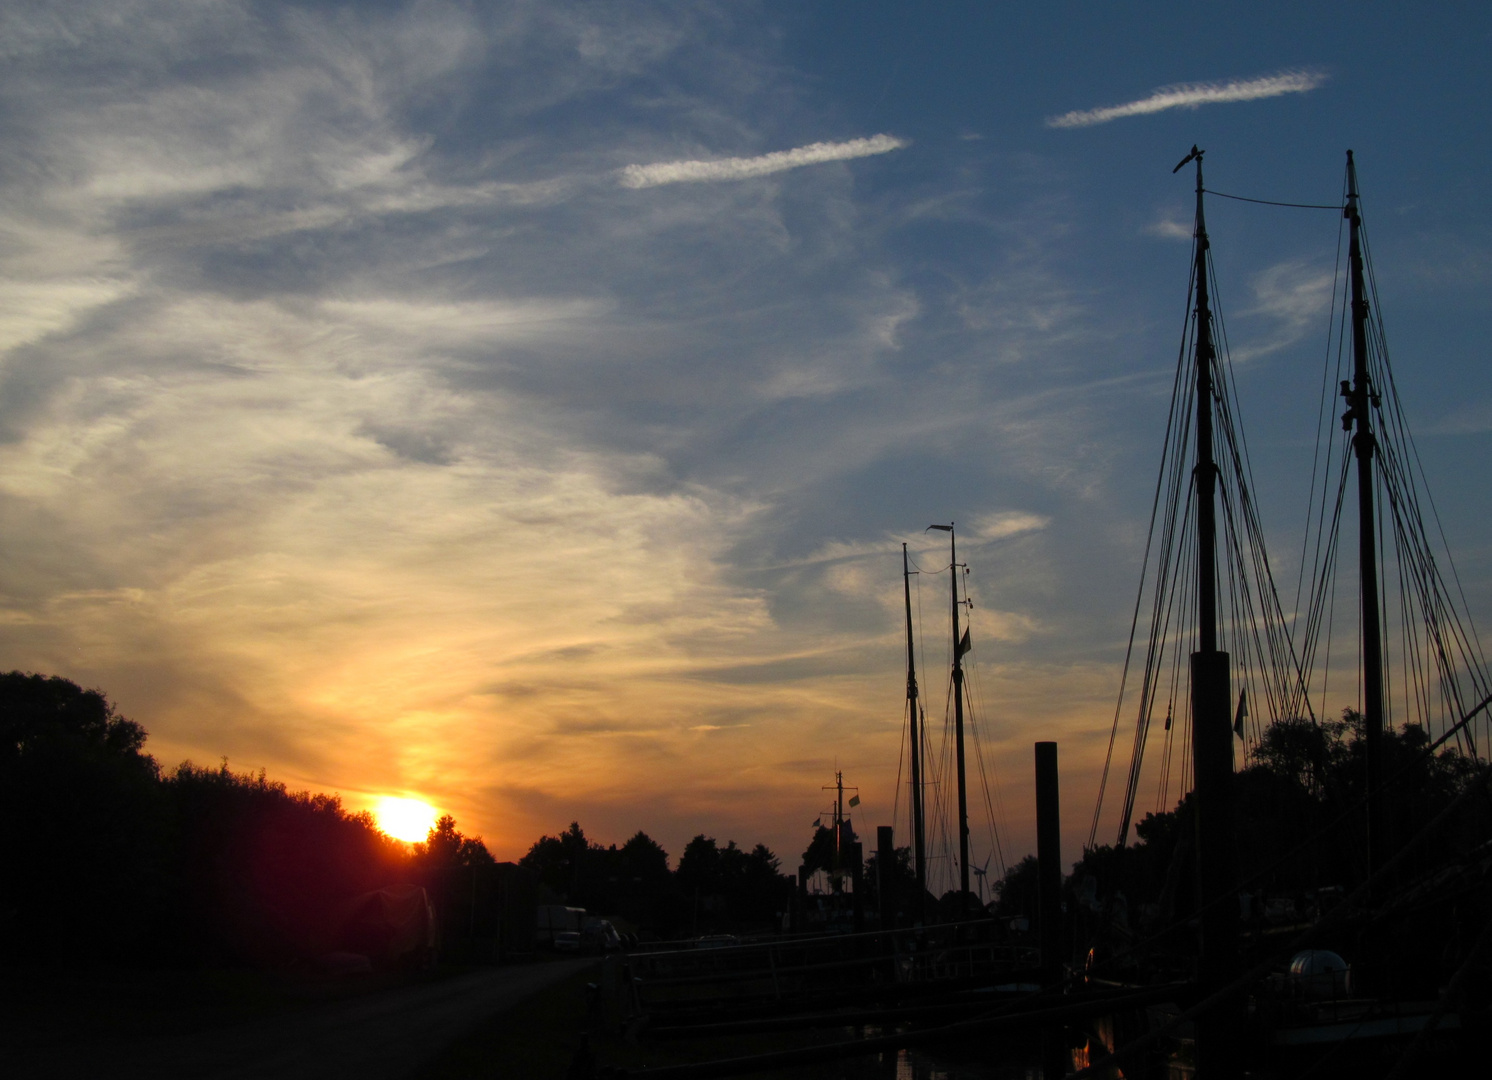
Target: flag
[[964, 644], [1243, 710], [818, 823], [854, 801], [1168, 719]]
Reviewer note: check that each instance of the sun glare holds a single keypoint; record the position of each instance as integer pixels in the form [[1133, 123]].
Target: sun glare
[[405, 819]]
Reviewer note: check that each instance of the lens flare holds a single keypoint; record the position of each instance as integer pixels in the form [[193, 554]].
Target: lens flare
[[405, 819]]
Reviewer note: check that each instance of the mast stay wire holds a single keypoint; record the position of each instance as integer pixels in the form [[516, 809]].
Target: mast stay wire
[[1434, 627], [1179, 493], [1144, 570], [1172, 438], [975, 689], [1335, 333], [1339, 207], [1278, 646], [1469, 645]]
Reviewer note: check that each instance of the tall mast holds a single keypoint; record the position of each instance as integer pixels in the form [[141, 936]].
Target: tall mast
[[1206, 472], [919, 854], [958, 727], [1360, 397], [838, 818], [958, 716], [1212, 734]]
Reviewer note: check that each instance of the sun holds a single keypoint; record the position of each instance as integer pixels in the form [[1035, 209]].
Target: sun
[[409, 820]]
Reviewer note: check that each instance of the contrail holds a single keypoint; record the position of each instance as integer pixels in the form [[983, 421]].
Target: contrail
[[1191, 95], [693, 172]]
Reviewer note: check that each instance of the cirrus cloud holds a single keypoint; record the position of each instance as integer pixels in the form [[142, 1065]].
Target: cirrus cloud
[[1194, 95], [693, 172]]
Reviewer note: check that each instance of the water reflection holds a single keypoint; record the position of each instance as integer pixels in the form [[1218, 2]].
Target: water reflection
[[915, 1065]]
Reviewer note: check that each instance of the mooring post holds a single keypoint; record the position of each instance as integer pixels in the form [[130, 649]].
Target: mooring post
[[857, 882], [886, 883], [1054, 1057]]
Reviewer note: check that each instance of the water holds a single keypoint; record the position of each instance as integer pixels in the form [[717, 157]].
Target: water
[[915, 1065]]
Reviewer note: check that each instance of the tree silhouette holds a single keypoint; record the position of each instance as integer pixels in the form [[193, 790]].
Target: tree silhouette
[[83, 874], [446, 846]]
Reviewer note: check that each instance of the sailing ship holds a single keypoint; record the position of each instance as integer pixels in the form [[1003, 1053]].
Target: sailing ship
[[1265, 984], [961, 900]]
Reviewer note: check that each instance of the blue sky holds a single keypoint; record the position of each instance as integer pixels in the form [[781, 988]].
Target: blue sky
[[521, 406]]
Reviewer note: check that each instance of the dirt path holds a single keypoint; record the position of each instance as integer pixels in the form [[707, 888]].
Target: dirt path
[[383, 1036]]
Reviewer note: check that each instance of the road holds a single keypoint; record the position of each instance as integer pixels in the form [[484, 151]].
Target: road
[[382, 1036]]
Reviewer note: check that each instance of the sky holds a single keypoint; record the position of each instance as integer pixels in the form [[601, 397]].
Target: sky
[[521, 406]]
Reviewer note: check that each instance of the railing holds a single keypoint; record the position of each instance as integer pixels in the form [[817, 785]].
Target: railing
[[686, 984]]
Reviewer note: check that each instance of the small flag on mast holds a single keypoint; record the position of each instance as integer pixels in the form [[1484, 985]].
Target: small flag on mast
[[964, 644], [1243, 710], [818, 823], [854, 801]]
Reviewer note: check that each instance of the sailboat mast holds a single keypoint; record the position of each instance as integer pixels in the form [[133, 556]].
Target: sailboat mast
[[919, 853], [1206, 473], [1360, 397], [958, 727], [1212, 734], [838, 818]]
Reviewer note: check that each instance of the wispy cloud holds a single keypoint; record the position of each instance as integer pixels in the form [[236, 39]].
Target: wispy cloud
[[1171, 229], [1291, 300], [1193, 95], [694, 172]]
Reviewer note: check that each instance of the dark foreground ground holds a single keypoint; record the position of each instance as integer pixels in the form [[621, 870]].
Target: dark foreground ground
[[523, 1022], [246, 1026], [538, 1038]]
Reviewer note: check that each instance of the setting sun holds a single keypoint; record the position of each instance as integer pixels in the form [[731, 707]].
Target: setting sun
[[405, 819]]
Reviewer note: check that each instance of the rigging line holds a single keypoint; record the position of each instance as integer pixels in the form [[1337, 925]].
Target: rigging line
[[1145, 561], [1417, 678], [1183, 597], [1418, 565], [1169, 642], [1270, 202], [1437, 605], [905, 741], [1166, 583], [977, 691], [1408, 437], [997, 811], [1322, 412], [1173, 595], [1325, 561], [1325, 582], [1277, 632]]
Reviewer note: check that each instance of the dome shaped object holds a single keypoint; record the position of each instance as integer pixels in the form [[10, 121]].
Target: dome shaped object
[[1320, 973], [1316, 962]]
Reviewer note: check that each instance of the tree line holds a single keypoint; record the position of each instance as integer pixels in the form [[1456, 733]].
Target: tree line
[[110, 858], [1300, 845]]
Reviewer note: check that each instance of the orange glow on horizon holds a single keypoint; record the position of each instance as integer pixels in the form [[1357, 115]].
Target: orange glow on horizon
[[409, 820]]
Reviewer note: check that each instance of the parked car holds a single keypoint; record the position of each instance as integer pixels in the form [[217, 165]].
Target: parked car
[[554, 920], [598, 935]]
